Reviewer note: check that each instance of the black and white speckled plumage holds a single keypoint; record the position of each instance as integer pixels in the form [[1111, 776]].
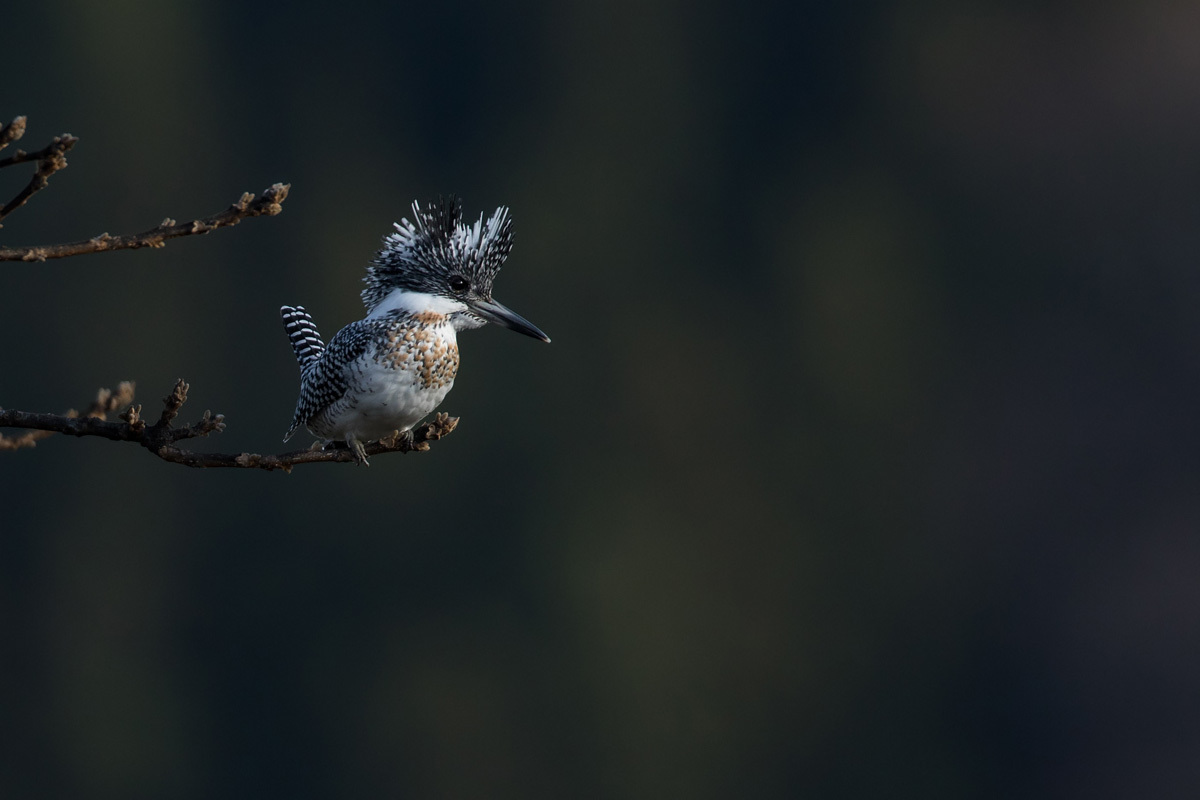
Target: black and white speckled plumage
[[432, 278]]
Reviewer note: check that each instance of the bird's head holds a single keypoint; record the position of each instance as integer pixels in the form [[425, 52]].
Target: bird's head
[[437, 263]]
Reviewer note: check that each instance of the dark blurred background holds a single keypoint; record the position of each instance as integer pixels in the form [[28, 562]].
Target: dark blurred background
[[864, 462]]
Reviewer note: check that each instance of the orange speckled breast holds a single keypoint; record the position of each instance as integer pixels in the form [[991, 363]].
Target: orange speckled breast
[[421, 346]]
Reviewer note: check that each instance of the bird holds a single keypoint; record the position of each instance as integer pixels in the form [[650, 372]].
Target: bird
[[386, 372]]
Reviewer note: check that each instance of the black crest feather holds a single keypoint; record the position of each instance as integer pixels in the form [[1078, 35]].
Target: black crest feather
[[423, 254]]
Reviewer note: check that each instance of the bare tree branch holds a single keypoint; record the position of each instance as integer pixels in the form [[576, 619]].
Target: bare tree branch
[[161, 437], [269, 203], [105, 403]]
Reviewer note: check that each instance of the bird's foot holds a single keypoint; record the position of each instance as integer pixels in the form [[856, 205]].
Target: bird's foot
[[359, 452], [402, 440]]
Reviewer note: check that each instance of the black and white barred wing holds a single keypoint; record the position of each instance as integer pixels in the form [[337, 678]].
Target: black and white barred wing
[[328, 377]]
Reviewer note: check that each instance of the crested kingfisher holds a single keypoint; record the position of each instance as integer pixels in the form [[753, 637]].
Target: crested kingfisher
[[431, 279]]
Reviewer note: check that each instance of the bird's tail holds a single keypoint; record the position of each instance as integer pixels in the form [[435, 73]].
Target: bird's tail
[[302, 333]]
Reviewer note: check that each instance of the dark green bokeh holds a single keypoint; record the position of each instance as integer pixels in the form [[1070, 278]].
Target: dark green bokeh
[[863, 463]]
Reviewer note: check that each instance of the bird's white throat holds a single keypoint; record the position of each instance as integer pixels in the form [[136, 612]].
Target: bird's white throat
[[416, 303]]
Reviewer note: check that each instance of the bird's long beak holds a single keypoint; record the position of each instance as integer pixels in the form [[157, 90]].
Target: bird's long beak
[[494, 312]]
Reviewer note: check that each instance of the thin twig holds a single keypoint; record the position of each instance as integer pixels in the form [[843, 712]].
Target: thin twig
[[269, 203], [161, 437], [50, 159], [58, 144]]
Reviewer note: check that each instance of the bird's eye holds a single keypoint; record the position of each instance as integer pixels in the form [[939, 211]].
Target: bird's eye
[[458, 283]]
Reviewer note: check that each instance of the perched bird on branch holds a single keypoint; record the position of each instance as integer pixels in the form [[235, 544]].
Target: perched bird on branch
[[432, 278]]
